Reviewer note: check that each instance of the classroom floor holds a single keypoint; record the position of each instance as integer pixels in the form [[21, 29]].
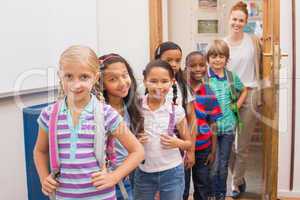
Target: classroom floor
[[253, 176]]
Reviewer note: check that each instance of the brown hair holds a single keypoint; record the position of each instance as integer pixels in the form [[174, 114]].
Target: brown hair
[[218, 47], [241, 6]]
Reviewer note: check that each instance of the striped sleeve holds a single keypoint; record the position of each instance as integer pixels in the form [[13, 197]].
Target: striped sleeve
[[112, 119], [43, 119], [214, 110]]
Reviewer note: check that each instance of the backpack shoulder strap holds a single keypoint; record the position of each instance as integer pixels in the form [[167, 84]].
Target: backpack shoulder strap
[[230, 79], [103, 145], [171, 125], [53, 145], [100, 136]]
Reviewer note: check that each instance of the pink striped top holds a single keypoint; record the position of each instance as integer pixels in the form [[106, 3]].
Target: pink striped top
[[76, 151]]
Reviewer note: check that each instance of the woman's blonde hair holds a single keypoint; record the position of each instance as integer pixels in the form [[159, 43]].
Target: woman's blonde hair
[[82, 55], [218, 47]]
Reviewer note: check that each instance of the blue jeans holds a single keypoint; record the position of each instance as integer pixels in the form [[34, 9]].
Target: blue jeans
[[200, 174], [170, 184], [220, 167], [128, 188]]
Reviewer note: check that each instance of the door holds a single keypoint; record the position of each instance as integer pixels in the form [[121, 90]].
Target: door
[[270, 85], [270, 96]]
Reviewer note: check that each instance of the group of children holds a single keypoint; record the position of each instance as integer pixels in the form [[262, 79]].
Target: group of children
[[184, 123]]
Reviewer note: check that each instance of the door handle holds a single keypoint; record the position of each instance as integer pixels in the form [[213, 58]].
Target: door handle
[[271, 54]]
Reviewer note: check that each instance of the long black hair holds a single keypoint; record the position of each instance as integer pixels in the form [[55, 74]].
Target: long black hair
[[164, 65], [132, 102], [179, 76]]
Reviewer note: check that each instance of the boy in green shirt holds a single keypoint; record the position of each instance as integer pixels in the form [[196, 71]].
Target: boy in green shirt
[[231, 94]]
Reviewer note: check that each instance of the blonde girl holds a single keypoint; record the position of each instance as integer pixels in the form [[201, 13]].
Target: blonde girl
[[81, 175]]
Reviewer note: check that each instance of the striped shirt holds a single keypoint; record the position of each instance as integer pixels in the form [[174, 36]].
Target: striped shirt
[[76, 151], [220, 86], [207, 109]]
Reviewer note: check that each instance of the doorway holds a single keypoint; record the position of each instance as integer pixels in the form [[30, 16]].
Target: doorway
[[194, 29]]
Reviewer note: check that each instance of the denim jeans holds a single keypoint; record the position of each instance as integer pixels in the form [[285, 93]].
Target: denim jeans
[[200, 175], [128, 188], [169, 183], [220, 167]]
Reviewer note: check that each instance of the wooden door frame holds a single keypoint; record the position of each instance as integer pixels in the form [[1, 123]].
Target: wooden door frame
[[270, 73], [156, 25], [270, 110]]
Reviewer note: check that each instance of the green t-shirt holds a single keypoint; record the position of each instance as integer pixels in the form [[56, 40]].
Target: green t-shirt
[[221, 88]]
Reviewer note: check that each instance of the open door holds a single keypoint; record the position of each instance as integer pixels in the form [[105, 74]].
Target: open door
[[270, 91], [270, 85]]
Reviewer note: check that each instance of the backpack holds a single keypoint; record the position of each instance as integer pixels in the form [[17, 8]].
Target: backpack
[[172, 123], [104, 153]]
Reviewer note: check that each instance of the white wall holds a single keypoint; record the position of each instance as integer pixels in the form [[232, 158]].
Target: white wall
[[285, 98], [123, 27], [297, 139], [285, 105], [182, 22]]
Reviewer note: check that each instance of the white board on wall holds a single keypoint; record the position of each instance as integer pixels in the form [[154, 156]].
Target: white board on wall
[[33, 35], [124, 29]]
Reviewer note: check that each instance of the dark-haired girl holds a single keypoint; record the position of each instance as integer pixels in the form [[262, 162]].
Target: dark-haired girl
[[162, 171], [172, 53], [119, 90]]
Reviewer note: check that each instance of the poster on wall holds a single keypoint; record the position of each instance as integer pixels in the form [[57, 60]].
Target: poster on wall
[[208, 4], [255, 8], [202, 47], [208, 26]]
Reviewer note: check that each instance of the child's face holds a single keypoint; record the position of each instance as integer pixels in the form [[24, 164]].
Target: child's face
[[197, 67], [116, 80], [217, 61], [158, 83], [77, 81], [173, 57], [237, 21]]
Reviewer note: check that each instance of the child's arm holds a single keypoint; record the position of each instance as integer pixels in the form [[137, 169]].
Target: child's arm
[[240, 87], [191, 120], [212, 155], [103, 180], [170, 142], [41, 160], [242, 97]]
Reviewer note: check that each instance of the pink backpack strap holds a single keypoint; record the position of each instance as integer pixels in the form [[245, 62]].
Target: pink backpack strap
[[111, 155], [53, 146], [171, 126]]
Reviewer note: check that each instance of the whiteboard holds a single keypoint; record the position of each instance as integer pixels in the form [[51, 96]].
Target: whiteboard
[[124, 29], [34, 33]]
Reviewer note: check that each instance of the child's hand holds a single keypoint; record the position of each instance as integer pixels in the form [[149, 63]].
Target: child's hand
[[210, 159], [169, 142], [189, 159], [143, 138], [103, 180], [49, 185]]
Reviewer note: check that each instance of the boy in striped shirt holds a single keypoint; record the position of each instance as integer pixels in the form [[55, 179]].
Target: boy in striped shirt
[[207, 111]]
